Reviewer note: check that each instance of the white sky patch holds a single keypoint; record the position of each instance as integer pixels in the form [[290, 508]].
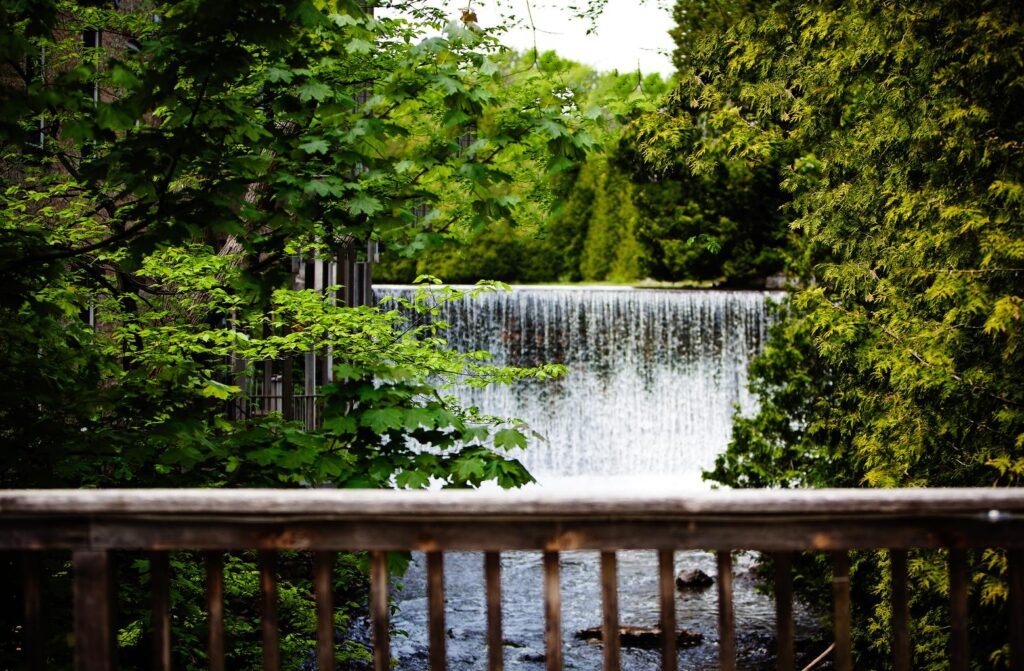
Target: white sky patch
[[629, 33]]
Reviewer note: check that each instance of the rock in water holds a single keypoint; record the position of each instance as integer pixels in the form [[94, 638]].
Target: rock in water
[[646, 638], [694, 579]]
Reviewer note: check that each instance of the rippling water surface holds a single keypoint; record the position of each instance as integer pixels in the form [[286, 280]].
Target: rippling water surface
[[522, 603]]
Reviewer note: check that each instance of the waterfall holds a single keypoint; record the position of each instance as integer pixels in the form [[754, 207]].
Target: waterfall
[[654, 375]]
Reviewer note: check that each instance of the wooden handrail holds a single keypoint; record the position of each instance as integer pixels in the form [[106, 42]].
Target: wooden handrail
[[532, 502], [775, 521], [94, 523]]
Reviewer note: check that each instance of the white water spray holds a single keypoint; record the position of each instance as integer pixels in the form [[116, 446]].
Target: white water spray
[[654, 376]]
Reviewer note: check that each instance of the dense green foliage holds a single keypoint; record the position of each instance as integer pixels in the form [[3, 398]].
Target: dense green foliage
[[722, 224], [569, 216], [615, 217], [624, 220], [164, 166], [173, 209], [898, 362]]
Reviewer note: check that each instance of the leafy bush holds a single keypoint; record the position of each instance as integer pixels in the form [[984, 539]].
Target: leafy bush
[[898, 364], [162, 179]]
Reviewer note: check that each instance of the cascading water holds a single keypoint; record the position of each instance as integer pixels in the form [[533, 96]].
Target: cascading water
[[654, 376]]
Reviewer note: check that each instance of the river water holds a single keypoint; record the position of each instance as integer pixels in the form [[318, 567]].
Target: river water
[[655, 377]]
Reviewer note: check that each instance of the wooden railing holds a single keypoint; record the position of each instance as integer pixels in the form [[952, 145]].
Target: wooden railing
[[92, 524]]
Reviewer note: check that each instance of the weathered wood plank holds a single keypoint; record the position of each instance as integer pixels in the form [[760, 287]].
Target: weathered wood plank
[[726, 618], [984, 504], [495, 643], [42, 533], [215, 610], [94, 650], [843, 659], [435, 611], [959, 657], [160, 587], [610, 610], [1016, 560], [97, 521], [900, 611], [667, 600], [268, 612], [784, 630], [766, 534], [552, 613], [380, 611], [32, 609], [323, 574]]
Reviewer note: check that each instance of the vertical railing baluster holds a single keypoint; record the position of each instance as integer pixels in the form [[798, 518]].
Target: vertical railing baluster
[[492, 576], [610, 607], [1015, 556], [268, 613], [92, 613], [160, 587], [552, 612], [667, 599], [215, 610], [266, 402], [726, 619], [900, 611], [785, 660], [287, 384], [32, 607], [959, 659], [843, 657], [435, 611], [379, 611], [323, 574]]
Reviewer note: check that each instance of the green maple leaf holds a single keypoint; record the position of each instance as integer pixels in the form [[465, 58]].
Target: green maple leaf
[[509, 439]]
